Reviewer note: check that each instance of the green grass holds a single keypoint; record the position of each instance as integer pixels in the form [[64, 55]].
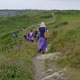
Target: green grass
[[65, 39], [17, 22], [11, 24], [16, 62]]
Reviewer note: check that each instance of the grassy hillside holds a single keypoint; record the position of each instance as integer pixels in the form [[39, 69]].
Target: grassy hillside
[[11, 24], [17, 22], [16, 60], [16, 64], [7, 13], [15, 53], [66, 39]]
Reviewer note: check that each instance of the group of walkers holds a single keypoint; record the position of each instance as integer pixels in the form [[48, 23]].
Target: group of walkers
[[39, 35], [32, 36]]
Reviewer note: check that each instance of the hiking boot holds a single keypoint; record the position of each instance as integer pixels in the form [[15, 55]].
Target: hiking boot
[[43, 52]]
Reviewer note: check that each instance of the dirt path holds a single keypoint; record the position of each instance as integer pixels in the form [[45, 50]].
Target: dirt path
[[39, 63], [40, 70]]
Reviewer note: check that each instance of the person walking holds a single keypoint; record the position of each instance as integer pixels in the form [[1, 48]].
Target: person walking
[[15, 34], [42, 40], [37, 35], [25, 36], [31, 36]]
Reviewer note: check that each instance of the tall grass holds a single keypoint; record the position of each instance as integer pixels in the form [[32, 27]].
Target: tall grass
[[17, 64], [66, 39], [16, 53], [11, 24]]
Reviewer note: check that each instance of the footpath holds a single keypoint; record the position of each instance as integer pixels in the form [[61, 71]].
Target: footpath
[[41, 73]]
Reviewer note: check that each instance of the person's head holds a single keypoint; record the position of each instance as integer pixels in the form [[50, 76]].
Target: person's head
[[31, 30], [42, 24]]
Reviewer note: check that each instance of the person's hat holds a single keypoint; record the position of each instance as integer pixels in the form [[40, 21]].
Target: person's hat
[[42, 24]]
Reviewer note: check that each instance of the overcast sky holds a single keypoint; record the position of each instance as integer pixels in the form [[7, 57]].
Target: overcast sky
[[40, 4]]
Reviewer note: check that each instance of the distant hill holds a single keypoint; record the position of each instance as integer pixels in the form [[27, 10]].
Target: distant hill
[[7, 13]]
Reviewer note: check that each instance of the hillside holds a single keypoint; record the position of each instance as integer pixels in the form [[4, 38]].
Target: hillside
[[11, 24], [7, 13], [65, 39], [16, 54]]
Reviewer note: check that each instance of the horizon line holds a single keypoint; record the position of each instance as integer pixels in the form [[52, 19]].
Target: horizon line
[[40, 9]]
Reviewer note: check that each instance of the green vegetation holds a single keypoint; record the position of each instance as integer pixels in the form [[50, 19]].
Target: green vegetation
[[66, 39], [17, 63], [11, 24], [16, 53]]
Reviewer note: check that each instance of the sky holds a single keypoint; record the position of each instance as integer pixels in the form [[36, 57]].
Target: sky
[[40, 4]]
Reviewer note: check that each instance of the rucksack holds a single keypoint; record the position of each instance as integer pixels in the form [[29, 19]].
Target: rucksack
[[31, 34], [46, 34]]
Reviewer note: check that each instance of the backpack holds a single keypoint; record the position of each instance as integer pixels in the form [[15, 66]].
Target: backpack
[[46, 34], [31, 34]]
